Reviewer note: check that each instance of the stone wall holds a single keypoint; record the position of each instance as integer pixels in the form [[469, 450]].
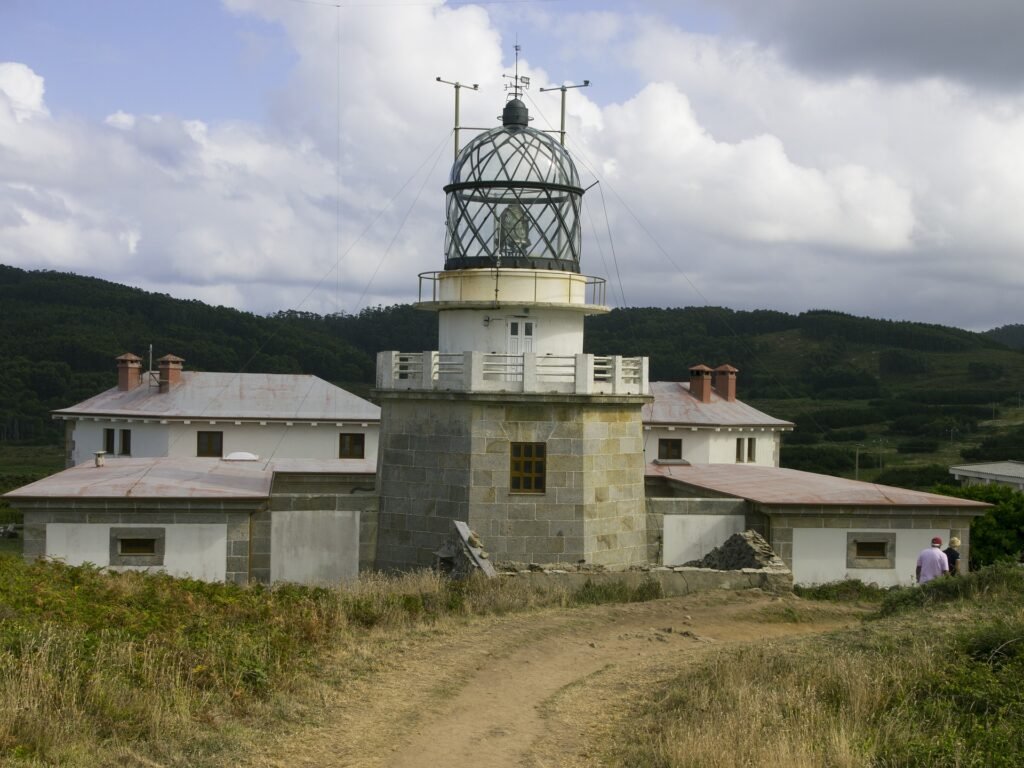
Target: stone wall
[[446, 457]]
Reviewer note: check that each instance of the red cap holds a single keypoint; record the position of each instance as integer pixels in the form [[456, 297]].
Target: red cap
[[936, 542]]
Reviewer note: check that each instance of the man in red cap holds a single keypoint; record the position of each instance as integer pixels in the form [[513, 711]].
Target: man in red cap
[[932, 562]]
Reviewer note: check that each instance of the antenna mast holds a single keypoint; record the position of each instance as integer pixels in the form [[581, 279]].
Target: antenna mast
[[519, 83], [458, 87], [563, 89]]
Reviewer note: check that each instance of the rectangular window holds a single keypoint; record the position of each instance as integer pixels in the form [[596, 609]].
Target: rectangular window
[[351, 445], [125, 448], [739, 450], [527, 465], [670, 449], [751, 449], [210, 444], [108, 441], [137, 546], [874, 550]]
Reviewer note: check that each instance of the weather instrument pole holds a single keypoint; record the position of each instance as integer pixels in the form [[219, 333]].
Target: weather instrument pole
[[458, 87], [563, 89]]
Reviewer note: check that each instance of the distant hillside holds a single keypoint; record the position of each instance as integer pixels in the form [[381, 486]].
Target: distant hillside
[[60, 333], [1010, 335]]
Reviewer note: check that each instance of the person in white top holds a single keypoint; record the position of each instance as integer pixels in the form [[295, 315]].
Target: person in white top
[[932, 562]]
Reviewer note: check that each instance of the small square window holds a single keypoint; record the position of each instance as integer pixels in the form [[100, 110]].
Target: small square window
[[210, 444], [527, 468], [670, 449], [351, 445]]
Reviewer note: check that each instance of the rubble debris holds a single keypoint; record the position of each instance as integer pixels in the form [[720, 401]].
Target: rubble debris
[[741, 550], [463, 554]]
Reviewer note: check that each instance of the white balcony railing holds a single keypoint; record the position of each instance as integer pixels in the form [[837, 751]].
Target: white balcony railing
[[483, 372]]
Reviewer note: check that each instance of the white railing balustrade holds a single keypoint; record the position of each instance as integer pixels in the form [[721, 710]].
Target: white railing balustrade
[[529, 372]]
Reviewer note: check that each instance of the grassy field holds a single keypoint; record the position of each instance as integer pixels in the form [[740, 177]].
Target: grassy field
[[102, 669], [932, 680]]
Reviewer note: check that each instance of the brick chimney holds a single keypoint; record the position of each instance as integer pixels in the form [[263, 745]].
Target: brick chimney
[[700, 383], [129, 371], [169, 367], [724, 382]]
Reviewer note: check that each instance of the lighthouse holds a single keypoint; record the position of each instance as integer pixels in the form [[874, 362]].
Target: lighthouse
[[509, 426]]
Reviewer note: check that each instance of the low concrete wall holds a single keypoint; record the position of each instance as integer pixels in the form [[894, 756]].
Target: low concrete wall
[[674, 581]]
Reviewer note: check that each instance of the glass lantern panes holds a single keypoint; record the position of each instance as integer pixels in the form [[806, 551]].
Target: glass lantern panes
[[514, 200]]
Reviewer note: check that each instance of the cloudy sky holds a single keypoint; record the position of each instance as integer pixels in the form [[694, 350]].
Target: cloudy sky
[[271, 154]]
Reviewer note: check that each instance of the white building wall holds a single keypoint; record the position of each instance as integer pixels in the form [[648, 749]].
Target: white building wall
[[275, 440], [147, 439], [819, 555], [176, 439], [555, 332], [314, 546], [706, 446], [197, 551], [690, 537]]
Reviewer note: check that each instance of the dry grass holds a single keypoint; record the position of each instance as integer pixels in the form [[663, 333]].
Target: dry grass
[[104, 669], [923, 688]]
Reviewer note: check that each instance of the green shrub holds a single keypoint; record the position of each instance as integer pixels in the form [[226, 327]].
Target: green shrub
[[616, 591], [921, 445], [849, 590]]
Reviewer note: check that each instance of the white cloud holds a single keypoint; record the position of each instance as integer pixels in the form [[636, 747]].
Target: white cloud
[[22, 90], [768, 185]]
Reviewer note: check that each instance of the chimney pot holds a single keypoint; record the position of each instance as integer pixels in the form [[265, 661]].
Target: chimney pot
[[700, 383], [169, 367], [724, 382], [129, 371]]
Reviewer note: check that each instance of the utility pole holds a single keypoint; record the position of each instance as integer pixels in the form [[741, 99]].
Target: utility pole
[[856, 461], [458, 87], [563, 89]]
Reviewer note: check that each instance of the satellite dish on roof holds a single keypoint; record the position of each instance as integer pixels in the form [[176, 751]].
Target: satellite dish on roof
[[241, 456]]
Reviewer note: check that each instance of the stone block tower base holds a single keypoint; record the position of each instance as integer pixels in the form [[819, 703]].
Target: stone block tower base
[[448, 456]]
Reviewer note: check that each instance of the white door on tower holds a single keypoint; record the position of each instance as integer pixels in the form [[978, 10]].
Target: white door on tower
[[520, 336]]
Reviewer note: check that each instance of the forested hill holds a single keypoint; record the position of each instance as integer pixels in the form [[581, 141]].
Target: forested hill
[[60, 333], [1010, 335]]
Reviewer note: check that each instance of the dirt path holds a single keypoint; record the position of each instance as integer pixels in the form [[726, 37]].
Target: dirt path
[[541, 689]]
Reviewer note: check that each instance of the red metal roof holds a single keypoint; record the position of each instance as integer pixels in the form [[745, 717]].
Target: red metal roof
[[673, 404], [774, 485], [232, 396]]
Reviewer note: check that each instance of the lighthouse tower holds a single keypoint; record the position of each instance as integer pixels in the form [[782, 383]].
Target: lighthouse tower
[[509, 426]]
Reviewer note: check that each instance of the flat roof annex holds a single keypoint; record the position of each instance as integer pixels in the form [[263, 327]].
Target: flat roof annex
[[179, 478], [990, 469], [791, 487], [673, 405], [251, 396]]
